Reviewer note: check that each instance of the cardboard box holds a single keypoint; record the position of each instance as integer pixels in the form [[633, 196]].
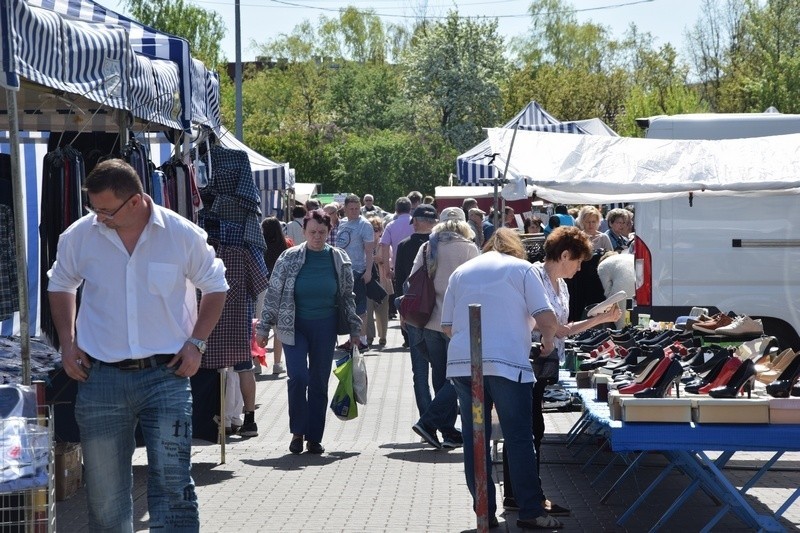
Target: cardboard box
[[784, 411], [615, 405], [583, 379], [730, 410], [656, 409], [69, 469]]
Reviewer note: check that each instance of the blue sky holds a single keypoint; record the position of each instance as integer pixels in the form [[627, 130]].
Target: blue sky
[[262, 20]]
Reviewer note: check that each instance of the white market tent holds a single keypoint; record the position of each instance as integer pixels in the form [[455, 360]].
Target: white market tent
[[474, 165], [598, 169]]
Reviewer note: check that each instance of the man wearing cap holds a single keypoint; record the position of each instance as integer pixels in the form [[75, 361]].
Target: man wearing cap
[[423, 219], [394, 232], [475, 221]]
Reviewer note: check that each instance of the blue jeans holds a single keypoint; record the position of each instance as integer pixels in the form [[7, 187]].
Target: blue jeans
[[308, 366], [419, 367], [513, 402], [443, 409], [107, 408], [360, 292]]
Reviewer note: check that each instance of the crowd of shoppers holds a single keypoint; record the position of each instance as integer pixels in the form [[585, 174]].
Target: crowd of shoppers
[[319, 265]]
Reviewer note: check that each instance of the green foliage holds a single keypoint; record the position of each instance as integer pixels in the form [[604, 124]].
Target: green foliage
[[204, 29], [453, 73], [364, 97]]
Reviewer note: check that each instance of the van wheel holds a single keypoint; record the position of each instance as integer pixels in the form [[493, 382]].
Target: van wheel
[[781, 330]]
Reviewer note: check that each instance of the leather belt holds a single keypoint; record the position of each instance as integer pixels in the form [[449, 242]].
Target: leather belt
[[138, 364]]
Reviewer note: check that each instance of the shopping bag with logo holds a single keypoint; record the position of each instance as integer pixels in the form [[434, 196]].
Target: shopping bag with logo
[[359, 377], [343, 403], [416, 305]]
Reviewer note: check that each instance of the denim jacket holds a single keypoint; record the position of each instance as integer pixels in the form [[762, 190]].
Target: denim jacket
[[279, 307]]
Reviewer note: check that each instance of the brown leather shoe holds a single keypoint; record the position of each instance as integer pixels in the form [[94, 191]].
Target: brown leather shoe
[[717, 321]]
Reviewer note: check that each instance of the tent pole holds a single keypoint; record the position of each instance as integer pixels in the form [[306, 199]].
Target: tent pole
[[505, 171], [19, 237]]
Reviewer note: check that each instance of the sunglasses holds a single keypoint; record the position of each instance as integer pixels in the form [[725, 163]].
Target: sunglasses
[[109, 215]]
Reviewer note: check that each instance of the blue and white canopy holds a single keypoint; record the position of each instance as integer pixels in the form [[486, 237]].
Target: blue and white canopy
[[196, 99], [89, 63], [474, 165]]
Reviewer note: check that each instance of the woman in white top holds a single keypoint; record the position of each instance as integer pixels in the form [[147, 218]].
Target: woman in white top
[[510, 294], [589, 218]]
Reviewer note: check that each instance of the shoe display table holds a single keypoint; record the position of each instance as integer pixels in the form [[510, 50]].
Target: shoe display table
[[686, 447]]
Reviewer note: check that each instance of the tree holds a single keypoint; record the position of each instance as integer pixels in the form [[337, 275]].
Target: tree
[[203, 29], [453, 71]]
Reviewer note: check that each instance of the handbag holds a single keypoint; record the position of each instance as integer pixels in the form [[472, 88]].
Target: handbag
[[342, 325], [416, 305]]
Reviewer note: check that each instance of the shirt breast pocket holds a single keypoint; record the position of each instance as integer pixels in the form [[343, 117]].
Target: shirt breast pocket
[[162, 278]]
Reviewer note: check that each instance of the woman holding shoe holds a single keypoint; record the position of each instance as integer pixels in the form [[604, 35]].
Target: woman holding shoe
[[308, 284]]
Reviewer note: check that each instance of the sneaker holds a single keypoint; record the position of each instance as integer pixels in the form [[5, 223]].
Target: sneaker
[[233, 429], [742, 325], [428, 434], [362, 347], [710, 326], [452, 441], [382, 342], [249, 430], [278, 368]]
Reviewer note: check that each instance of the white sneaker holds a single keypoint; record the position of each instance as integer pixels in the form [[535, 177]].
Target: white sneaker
[[278, 368], [742, 325]]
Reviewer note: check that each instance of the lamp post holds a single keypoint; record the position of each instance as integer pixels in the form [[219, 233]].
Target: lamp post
[[238, 71]]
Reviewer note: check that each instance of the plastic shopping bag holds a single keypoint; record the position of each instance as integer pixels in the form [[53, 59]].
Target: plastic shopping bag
[[343, 403], [359, 377]]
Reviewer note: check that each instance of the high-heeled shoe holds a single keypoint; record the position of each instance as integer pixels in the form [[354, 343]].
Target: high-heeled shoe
[[670, 376], [757, 348], [744, 377], [780, 363], [796, 390], [782, 386], [695, 386], [724, 376], [650, 380]]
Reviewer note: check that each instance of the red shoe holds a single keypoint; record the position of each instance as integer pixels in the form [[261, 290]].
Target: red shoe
[[651, 379], [724, 376]]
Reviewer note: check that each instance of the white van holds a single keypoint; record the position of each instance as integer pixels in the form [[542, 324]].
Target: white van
[[732, 253]]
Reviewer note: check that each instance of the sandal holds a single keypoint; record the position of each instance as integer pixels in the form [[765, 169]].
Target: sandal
[[540, 522]]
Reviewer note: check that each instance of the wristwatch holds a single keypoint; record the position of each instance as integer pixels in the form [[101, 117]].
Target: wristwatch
[[199, 343]]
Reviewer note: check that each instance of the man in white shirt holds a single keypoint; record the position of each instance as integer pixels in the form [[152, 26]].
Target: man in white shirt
[[137, 340], [294, 229]]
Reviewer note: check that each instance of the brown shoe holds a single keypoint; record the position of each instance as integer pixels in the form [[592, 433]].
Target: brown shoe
[[717, 321]]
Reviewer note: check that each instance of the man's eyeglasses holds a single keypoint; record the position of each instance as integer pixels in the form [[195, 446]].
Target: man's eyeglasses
[[109, 215]]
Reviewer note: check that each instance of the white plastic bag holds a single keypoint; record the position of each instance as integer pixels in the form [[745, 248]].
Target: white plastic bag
[[359, 377]]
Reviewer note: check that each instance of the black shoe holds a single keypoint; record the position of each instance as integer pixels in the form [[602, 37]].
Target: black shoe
[[314, 447], [249, 430], [428, 434], [554, 509], [296, 445], [493, 522], [510, 504], [452, 440], [540, 522]]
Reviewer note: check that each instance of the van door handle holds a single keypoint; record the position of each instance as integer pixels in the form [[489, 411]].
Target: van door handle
[[765, 243]]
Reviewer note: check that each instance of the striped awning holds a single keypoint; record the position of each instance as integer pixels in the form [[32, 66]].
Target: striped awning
[[474, 165], [197, 93], [268, 175]]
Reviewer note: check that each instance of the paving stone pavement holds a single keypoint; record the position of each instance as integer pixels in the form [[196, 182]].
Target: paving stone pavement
[[377, 476]]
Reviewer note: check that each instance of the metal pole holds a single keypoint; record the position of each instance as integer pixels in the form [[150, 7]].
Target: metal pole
[[223, 376], [505, 171], [19, 238], [478, 419], [238, 71]]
